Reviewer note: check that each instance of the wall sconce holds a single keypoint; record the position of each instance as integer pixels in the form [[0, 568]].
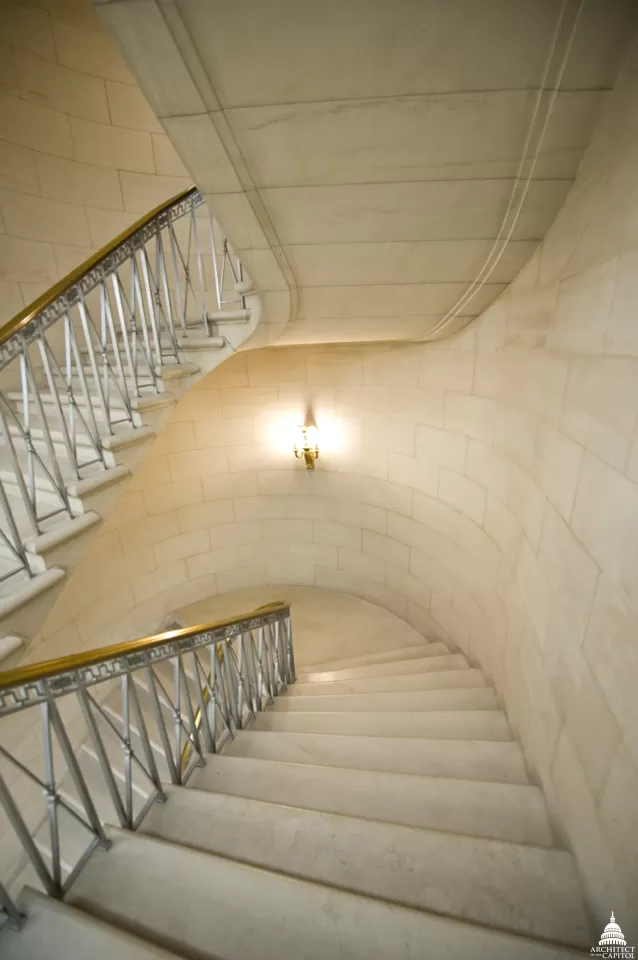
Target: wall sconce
[[307, 446]]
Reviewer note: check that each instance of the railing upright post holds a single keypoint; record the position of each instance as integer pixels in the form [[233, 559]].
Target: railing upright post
[[16, 919], [24, 836], [76, 774], [102, 756]]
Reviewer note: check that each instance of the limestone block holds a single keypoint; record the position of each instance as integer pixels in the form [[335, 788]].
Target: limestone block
[[583, 308], [618, 815], [385, 548], [414, 472], [197, 463], [79, 183], [178, 548], [442, 447], [113, 147], [129, 108], [463, 494], [150, 530], [503, 528], [584, 828], [27, 260], [620, 335], [416, 405], [155, 582], [64, 90], [229, 580], [161, 499], [28, 28], [601, 402], [235, 534], [17, 169], [469, 415], [570, 571], [143, 191], [35, 218], [534, 588], [226, 486], [106, 224], [89, 51], [559, 467], [337, 534], [610, 650], [609, 535], [591, 725]]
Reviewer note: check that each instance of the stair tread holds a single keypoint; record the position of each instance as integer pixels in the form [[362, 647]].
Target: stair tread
[[448, 698], [481, 808], [428, 680], [455, 661], [380, 672], [254, 912], [455, 724], [500, 762], [56, 931], [528, 889], [381, 656]]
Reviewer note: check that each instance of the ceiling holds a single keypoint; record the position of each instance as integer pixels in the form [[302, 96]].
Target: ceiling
[[364, 156]]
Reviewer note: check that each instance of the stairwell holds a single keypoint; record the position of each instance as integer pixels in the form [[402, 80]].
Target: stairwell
[[379, 807], [89, 374]]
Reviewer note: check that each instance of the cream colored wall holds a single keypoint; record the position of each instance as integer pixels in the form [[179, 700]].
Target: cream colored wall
[[81, 153], [485, 489]]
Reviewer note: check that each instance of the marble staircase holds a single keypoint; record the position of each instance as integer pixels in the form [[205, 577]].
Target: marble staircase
[[380, 808]]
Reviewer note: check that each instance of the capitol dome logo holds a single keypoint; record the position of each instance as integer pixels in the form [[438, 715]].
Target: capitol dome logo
[[612, 945]]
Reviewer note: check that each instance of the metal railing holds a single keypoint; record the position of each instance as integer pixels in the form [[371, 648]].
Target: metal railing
[[9, 912], [118, 722], [75, 363]]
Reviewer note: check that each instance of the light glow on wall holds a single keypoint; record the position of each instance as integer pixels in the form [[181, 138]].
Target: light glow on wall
[[331, 434]]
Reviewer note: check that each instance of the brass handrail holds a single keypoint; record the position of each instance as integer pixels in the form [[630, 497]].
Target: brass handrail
[[179, 695], [75, 661], [26, 315]]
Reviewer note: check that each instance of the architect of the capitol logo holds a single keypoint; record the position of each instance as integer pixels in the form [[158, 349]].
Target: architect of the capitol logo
[[612, 944]]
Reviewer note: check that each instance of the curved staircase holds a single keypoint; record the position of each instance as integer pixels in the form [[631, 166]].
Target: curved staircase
[[379, 808], [88, 374]]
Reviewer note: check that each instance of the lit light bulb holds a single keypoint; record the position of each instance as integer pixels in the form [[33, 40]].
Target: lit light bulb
[[307, 446]]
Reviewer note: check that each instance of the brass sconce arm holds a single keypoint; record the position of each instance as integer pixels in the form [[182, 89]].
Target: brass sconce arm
[[308, 449]]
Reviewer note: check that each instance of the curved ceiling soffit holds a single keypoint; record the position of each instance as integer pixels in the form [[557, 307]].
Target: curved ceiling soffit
[[555, 63]]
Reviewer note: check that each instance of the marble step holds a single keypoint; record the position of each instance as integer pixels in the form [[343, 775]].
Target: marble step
[[526, 889], [382, 656], [232, 911], [478, 808], [462, 759], [461, 676], [445, 724], [450, 661], [57, 931], [470, 698]]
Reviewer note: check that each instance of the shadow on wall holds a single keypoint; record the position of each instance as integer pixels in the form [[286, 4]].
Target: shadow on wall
[[486, 490]]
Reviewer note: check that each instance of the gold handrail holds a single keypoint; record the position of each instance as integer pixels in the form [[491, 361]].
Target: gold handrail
[[33, 309], [48, 668]]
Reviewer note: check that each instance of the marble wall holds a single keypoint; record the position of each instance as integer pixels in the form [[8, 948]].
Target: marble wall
[[82, 156]]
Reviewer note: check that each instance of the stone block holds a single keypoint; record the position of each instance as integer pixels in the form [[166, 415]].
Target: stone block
[[463, 494], [79, 183], [439, 446]]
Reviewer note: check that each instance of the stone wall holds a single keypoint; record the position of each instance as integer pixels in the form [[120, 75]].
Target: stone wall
[[81, 154]]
